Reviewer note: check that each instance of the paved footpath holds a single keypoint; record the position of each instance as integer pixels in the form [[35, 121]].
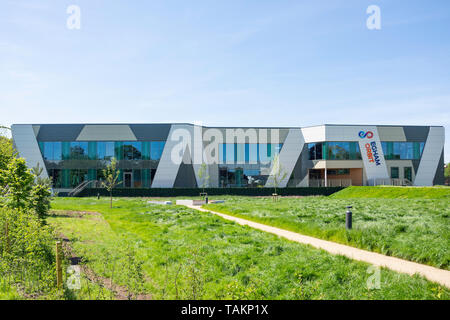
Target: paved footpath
[[404, 266]]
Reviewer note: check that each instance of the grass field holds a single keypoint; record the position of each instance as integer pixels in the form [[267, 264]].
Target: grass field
[[414, 229], [172, 252], [384, 192]]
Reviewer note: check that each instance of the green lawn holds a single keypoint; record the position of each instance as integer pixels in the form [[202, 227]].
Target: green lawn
[[385, 192], [413, 229], [174, 252]]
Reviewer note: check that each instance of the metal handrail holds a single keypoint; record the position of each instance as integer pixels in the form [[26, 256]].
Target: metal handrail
[[81, 187]]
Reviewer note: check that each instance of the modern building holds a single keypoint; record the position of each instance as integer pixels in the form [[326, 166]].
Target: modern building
[[174, 155]]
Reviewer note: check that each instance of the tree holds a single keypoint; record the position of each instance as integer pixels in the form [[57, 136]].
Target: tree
[[447, 170], [278, 174], [203, 176], [6, 151], [111, 174], [16, 184], [41, 194]]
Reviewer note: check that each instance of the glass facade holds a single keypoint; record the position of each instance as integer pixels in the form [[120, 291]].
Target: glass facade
[[246, 164], [402, 150], [71, 163], [334, 151], [248, 153]]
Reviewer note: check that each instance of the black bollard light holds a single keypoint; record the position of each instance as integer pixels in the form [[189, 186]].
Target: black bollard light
[[206, 199], [348, 218], [98, 196]]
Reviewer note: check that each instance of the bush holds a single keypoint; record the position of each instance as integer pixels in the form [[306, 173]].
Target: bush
[[26, 255], [193, 192]]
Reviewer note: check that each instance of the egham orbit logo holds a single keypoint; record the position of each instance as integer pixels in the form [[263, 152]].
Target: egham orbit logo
[[368, 134]]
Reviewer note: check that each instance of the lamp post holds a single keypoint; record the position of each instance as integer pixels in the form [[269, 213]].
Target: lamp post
[[348, 218]]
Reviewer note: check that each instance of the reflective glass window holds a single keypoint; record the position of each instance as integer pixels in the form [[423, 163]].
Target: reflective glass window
[[156, 149]]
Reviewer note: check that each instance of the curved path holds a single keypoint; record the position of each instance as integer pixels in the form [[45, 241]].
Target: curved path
[[404, 266]]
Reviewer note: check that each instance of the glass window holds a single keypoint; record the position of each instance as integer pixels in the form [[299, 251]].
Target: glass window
[[252, 153], [137, 180], [338, 150], [48, 150], [315, 151], [109, 151], [55, 175], [118, 150], [132, 150], [394, 173], [78, 150], [66, 156], [229, 156], [156, 149], [57, 151], [240, 153], [101, 149], [92, 146], [128, 151], [146, 150], [407, 173]]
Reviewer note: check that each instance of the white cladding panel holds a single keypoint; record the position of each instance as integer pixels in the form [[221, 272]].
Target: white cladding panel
[[292, 148], [430, 157], [184, 141], [28, 147]]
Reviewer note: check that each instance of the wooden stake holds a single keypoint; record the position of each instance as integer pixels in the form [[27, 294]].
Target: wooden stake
[[7, 237], [58, 265]]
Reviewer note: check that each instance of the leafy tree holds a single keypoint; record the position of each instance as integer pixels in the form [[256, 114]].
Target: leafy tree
[[447, 171], [41, 194], [16, 183], [111, 175], [203, 176], [6, 152], [278, 174]]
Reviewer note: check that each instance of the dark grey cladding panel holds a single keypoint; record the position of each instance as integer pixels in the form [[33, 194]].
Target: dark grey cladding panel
[[302, 165], [439, 178], [414, 133], [151, 132], [59, 132], [185, 177], [415, 165]]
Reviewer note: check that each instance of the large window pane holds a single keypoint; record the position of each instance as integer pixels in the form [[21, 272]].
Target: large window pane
[[109, 150], [57, 151], [48, 150], [338, 150], [92, 146], [101, 149], [137, 181], [156, 149], [240, 153], [394, 172], [229, 156], [253, 153]]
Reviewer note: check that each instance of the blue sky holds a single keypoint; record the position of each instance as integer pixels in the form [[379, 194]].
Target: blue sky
[[226, 63]]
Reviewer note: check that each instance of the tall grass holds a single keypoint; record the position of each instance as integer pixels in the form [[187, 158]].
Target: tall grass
[[413, 229], [186, 254]]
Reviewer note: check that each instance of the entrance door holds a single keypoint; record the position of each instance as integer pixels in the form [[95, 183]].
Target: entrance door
[[127, 179]]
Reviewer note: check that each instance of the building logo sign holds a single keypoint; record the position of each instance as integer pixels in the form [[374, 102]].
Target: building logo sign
[[371, 148], [368, 134], [372, 153]]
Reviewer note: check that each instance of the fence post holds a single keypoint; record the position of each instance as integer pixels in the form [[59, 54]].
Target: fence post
[[7, 236], [58, 265]]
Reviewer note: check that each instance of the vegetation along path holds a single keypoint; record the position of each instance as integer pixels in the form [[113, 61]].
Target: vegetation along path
[[433, 274]]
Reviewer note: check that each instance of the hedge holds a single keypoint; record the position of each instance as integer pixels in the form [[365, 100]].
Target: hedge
[[192, 192]]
